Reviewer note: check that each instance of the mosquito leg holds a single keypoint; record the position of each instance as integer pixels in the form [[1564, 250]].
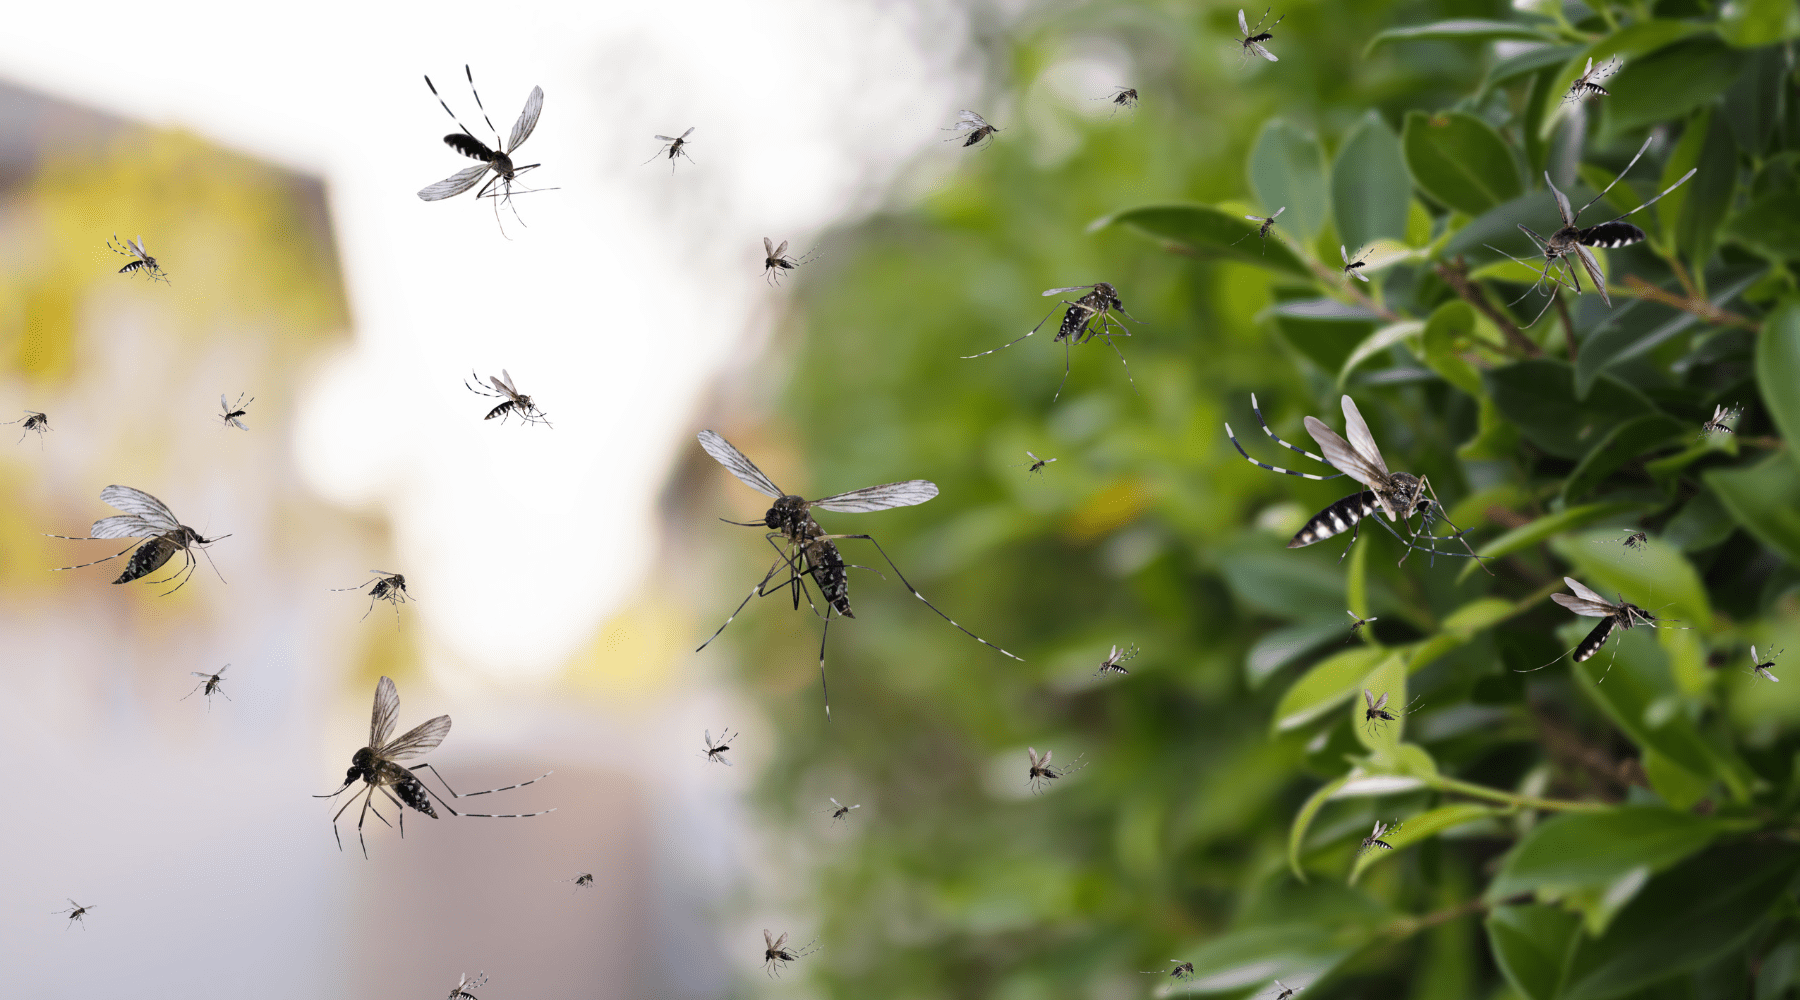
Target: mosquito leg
[[754, 592], [85, 565], [1254, 408], [915, 592], [1067, 346], [1002, 347], [1354, 530], [1438, 505], [823, 689], [469, 795], [1109, 342], [1271, 468], [484, 115]]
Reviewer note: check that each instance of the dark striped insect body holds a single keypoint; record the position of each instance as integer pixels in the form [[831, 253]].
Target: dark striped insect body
[[33, 421], [776, 953], [75, 911], [674, 146], [466, 987], [715, 751], [776, 260], [1042, 772], [840, 811], [159, 536], [1761, 669], [141, 259], [378, 767], [497, 158], [975, 127], [1398, 495], [389, 587], [1115, 660], [1376, 712], [804, 549], [1122, 99], [1589, 80], [1357, 622], [1623, 615], [584, 880], [513, 402], [1354, 268], [1254, 37], [1373, 842], [1268, 222], [1086, 318], [1182, 971], [209, 685], [233, 412], [1037, 464], [1724, 419]]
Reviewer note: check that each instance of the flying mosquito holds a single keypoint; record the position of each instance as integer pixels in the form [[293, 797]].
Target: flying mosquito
[[233, 411], [1115, 661], [672, 145], [512, 400], [498, 159], [211, 684], [1376, 711], [1267, 221], [1037, 464], [1357, 622], [1623, 615], [1182, 971], [1399, 495], [806, 550], [776, 955], [464, 984], [976, 127], [1573, 241], [141, 259], [1078, 326], [159, 536], [1122, 98], [582, 881], [1253, 39], [1724, 418], [1589, 80], [1284, 991], [1373, 840], [1761, 669], [716, 751], [1354, 267], [377, 766], [33, 421], [1042, 773], [840, 811], [776, 260], [389, 587], [1634, 539], [75, 911]]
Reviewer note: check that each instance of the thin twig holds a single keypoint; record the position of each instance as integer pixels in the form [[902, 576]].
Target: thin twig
[[1457, 277], [1689, 304], [1513, 799]]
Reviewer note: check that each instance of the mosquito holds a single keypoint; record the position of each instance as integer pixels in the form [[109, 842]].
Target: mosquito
[[75, 911], [1182, 971], [776, 260], [1285, 991], [498, 159], [1357, 622], [1354, 267], [233, 411], [141, 259], [1762, 669], [377, 766], [976, 127], [716, 751], [1122, 98], [1373, 840], [1634, 539], [1399, 495], [210, 684], [840, 811], [1573, 241], [1623, 615], [1115, 662], [464, 984], [33, 421], [582, 881], [1268, 221], [389, 587], [806, 549], [1253, 39], [1724, 418], [1376, 711], [673, 147], [159, 536], [776, 954], [1042, 773], [513, 401], [1077, 327], [1037, 464], [1589, 80]]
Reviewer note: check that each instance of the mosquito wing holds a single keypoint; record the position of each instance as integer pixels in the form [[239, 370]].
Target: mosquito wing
[[138, 245], [1562, 201], [1076, 288], [1581, 590], [1032, 753], [1369, 699], [1592, 267], [454, 184], [534, 106], [780, 250], [689, 132], [386, 713], [778, 941], [1381, 702], [1344, 252], [1591, 609], [124, 526], [1277, 214], [768, 244], [1243, 25], [505, 383], [969, 119], [1343, 457], [1265, 53], [1360, 438], [739, 466], [883, 497], [421, 738], [145, 506]]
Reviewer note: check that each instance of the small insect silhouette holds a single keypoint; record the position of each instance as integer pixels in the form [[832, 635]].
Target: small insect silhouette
[[582, 881], [716, 751], [1254, 37], [142, 261], [1182, 971], [1041, 772], [377, 766], [389, 587], [1115, 660], [674, 147], [1634, 540], [33, 421], [1589, 80], [464, 986], [1374, 840], [1355, 267], [1357, 622], [75, 911], [1122, 98], [210, 684], [513, 401], [1623, 615], [234, 411], [1724, 419], [1267, 221], [1284, 991], [840, 811], [1037, 464], [1376, 712], [776, 260], [498, 158], [1763, 670], [1079, 317], [776, 954], [159, 536], [976, 127]]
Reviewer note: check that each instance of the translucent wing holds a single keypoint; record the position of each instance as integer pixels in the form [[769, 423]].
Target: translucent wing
[[1381, 702], [1072, 288], [138, 245], [782, 249], [1277, 214], [386, 713], [1339, 453], [1360, 276], [883, 497], [780, 940], [507, 383], [767, 940], [534, 106], [454, 184], [969, 119], [1243, 25], [1592, 267], [1032, 753], [1590, 68], [665, 138], [1369, 699], [1591, 609], [224, 405], [124, 526], [1583, 592], [1562, 201], [689, 132], [1344, 253], [739, 466], [768, 247], [1360, 438], [145, 506], [1265, 53], [1035, 458], [421, 738], [1256, 218]]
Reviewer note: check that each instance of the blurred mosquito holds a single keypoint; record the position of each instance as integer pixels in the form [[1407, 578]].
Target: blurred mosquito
[[976, 127], [1399, 495], [513, 401], [389, 587], [33, 421], [1042, 773], [1373, 840], [1376, 711], [1634, 539], [716, 751], [1354, 267], [806, 549], [840, 811], [464, 984], [211, 684], [141, 258], [1115, 660], [1077, 326], [498, 158], [377, 766], [1623, 615], [1723, 420], [75, 911], [1761, 669], [1262, 231], [1037, 464], [1357, 622], [582, 881], [233, 411], [776, 260], [776, 955], [159, 536], [1122, 98], [1284, 991], [1573, 241], [1182, 971], [1589, 80], [1254, 37], [673, 146]]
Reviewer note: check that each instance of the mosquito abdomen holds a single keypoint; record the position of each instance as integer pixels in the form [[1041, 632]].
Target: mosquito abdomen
[[149, 558], [1335, 519]]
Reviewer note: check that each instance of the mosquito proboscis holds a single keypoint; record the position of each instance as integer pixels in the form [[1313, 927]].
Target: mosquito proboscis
[[159, 536], [497, 158]]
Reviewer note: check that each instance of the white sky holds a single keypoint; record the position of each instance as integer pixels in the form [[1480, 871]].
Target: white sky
[[630, 290]]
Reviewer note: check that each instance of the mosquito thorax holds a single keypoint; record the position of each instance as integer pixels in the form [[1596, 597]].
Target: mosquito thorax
[[788, 515]]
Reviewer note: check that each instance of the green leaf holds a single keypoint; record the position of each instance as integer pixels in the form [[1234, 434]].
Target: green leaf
[[1499, 227], [1692, 213], [1303, 819], [1459, 29], [1669, 83], [1769, 225], [1622, 445], [1422, 827], [1326, 686], [1757, 98], [1627, 333], [1253, 956], [1370, 188], [1356, 581], [1287, 168], [1389, 678], [1460, 160], [1324, 330], [1568, 519], [1209, 232], [1778, 369], [1452, 324], [1531, 944], [1376, 343], [1749, 24], [1764, 500], [1539, 396], [1458, 629]]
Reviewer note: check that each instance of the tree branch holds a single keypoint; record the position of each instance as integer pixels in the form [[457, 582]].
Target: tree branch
[[1457, 277]]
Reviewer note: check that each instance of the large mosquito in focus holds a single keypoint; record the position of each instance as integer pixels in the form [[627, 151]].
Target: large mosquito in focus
[[1253, 38], [976, 127], [389, 587], [159, 536], [75, 911], [1573, 241], [33, 421], [464, 985], [498, 158], [210, 682], [1098, 305], [1042, 772], [233, 412], [806, 550], [1268, 222], [1399, 495], [716, 751], [377, 766], [776, 260], [512, 400], [673, 146], [141, 259], [1589, 80], [776, 954], [1623, 615]]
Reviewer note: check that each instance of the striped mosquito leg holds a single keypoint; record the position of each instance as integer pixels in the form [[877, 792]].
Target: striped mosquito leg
[[85, 565], [915, 592], [1335, 519], [756, 591], [504, 788], [1271, 468], [1002, 347], [825, 689], [1265, 426], [1109, 342]]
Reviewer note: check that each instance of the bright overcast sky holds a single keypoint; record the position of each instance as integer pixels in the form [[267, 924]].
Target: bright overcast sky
[[629, 291]]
